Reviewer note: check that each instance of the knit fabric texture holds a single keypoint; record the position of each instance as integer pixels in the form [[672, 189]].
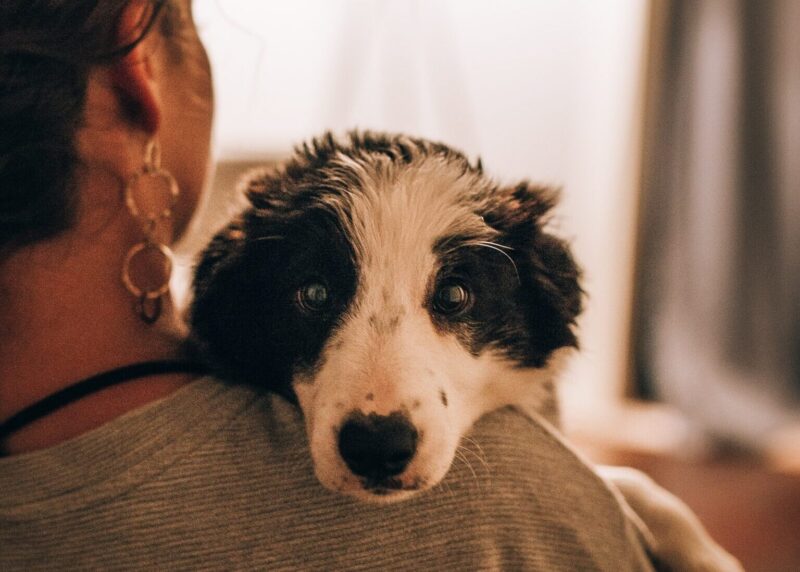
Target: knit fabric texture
[[219, 477]]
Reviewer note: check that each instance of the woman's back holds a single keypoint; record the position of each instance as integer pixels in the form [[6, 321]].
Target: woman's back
[[219, 477]]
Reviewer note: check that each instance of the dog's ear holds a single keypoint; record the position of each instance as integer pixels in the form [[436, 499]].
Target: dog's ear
[[520, 208], [214, 312], [226, 292], [233, 299], [221, 251], [550, 278]]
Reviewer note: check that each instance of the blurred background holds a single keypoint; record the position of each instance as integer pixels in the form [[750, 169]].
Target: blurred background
[[673, 128]]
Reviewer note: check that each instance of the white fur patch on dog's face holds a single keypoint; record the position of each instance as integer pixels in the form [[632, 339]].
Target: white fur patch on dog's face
[[397, 294]]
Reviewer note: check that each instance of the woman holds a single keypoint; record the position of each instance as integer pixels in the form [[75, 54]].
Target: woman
[[106, 112]]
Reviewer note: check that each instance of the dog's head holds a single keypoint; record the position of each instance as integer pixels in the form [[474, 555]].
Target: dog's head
[[397, 294]]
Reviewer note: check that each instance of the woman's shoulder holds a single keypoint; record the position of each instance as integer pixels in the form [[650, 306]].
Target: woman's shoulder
[[229, 483]]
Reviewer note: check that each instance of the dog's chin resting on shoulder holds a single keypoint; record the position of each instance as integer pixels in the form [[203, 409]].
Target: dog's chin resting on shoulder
[[394, 292]]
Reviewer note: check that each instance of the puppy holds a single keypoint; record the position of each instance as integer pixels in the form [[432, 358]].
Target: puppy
[[397, 294]]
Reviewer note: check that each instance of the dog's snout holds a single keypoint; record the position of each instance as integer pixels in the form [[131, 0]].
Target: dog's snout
[[377, 446]]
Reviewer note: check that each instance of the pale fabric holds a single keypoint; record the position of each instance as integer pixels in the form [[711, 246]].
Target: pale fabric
[[718, 322], [218, 477]]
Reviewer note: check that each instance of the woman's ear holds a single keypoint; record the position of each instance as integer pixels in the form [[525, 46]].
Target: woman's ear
[[133, 76]]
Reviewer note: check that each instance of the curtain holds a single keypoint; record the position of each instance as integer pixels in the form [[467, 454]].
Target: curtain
[[717, 304]]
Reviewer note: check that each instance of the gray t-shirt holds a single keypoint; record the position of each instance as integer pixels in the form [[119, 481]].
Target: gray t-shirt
[[219, 477]]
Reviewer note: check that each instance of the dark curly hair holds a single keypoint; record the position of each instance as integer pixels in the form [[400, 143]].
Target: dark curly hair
[[47, 48]]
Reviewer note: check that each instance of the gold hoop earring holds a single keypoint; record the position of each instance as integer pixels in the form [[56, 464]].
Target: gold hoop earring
[[150, 196]]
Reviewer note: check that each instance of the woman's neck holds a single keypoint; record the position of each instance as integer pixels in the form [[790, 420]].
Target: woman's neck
[[65, 315]]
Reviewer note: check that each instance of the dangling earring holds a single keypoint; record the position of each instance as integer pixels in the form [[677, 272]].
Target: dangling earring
[[150, 195]]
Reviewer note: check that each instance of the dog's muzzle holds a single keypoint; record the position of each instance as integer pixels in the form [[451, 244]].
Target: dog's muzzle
[[378, 447]]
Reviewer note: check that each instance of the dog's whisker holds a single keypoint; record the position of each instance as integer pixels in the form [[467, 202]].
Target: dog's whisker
[[496, 244], [445, 487], [502, 250], [264, 238], [474, 443], [478, 453], [462, 457], [482, 462]]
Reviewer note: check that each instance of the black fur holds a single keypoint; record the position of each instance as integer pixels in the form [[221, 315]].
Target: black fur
[[244, 314]]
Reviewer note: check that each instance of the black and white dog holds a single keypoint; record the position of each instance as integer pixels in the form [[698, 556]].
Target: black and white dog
[[397, 294]]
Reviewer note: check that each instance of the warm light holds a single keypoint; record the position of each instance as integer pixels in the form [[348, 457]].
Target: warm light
[[539, 89]]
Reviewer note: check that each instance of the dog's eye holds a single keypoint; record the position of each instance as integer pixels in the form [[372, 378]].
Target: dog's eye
[[451, 298], [313, 297]]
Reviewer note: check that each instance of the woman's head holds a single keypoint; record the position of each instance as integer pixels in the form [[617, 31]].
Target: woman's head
[[49, 51]]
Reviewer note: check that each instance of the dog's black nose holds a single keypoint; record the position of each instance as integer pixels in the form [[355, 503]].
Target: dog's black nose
[[377, 446]]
